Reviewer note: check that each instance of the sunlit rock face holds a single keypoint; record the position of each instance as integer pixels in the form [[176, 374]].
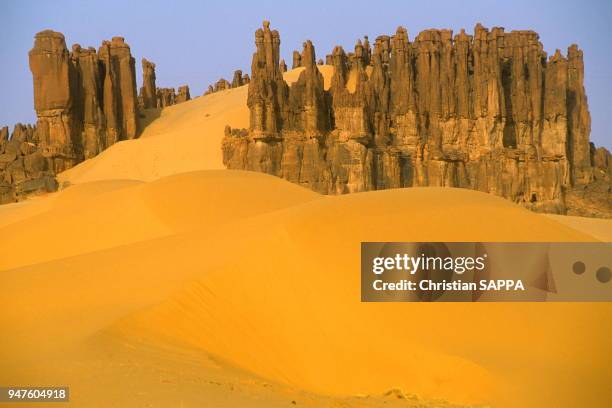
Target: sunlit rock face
[[488, 111]]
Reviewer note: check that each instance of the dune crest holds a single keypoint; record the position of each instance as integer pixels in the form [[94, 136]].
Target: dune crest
[[246, 279]]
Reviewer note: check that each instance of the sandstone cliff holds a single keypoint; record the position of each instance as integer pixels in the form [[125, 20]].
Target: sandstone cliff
[[488, 111], [148, 92], [85, 101], [24, 170]]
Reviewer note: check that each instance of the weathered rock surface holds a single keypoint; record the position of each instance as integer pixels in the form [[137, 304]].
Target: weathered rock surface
[[489, 112], [221, 85], [165, 97], [148, 91], [24, 170], [168, 96], [85, 101], [297, 60], [122, 62], [153, 97], [238, 79], [183, 94]]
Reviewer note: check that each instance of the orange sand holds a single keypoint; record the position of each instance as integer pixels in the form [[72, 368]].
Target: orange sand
[[148, 283]]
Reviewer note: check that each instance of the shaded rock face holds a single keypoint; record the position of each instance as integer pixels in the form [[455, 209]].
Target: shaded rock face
[[152, 97], [165, 97], [168, 96], [148, 91], [488, 111], [593, 199], [119, 88], [183, 94], [297, 60], [85, 101], [237, 80], [24, 169], [222, 85]]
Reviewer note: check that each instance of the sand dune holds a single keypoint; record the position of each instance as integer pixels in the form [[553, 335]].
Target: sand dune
[[185, 137], [156, 279]]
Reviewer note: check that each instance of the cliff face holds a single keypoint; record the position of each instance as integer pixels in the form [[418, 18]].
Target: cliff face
[[24, 169], [148, 91], [488, 112], [85, 101]]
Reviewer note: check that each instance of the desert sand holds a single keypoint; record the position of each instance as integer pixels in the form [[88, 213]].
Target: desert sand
[[156, 278]]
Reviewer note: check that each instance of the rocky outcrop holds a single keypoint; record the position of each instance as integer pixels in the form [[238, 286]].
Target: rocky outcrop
[[238, 79], [183, 94], [488, 111], [24, 169], [148, 91], [120, 69], [152, 97], [85, 101], [168, 96], [222, 85], [165, 97], [593, 199], [55, 85], [297, 60]]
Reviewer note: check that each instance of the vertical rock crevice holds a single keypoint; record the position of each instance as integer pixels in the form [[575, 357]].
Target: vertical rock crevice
[[489, 111]]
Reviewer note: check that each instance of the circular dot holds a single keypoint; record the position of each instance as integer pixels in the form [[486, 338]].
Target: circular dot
[[578, 268], [603, 274]]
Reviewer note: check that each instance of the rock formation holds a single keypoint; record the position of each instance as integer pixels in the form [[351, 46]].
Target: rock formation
[[283, 66], [54, 90], [85, 101], [168, 96], [119, 66], [297, 60], [148, 92], [489, 112], [183, 94], [24, 169], [165, 97], [222, 85], [238, 79], [152, 97]]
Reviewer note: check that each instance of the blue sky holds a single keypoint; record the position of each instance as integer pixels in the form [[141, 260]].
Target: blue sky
[[197, 42]]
